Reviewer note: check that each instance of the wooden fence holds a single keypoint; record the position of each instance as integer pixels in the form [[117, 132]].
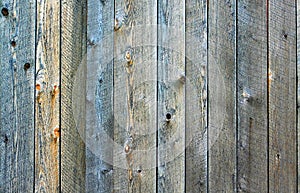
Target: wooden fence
[[149, 96]]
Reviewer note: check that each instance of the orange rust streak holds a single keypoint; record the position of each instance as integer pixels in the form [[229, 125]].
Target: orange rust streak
[[56, 132], [38, 87]]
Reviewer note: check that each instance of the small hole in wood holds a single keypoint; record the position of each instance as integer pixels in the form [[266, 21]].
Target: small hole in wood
[[278, 156], [139, 170], [285, 36], [5, 139], [4, 11], [168, 116], [26, 66], [13, 43]]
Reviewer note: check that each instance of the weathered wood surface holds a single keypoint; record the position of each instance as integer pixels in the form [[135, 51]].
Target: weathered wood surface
[[196, 95], [17, 59], [171, 96], [73, 56], [252, 45], [149, 96], [222, 96], [99, 109], [47, 85], [135, 74], [282, 97]]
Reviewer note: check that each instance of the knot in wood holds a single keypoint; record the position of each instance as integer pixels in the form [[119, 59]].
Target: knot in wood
[[4, 11], [128, 57]]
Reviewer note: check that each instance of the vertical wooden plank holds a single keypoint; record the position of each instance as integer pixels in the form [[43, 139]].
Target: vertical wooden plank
[[282, 96], [17, 61], [171, 96], [252, 97], [73, 53], [99, 115], [47, 115], [222, 96], [196, 92], [135, 96]]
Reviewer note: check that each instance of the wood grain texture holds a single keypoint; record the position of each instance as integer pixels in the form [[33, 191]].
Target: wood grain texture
[[171, 96], [252, 97], [99, 110], [196, 95], [282, 96], [47, 114], [17, 96], [135, 96], [73, 54], [222, 96]]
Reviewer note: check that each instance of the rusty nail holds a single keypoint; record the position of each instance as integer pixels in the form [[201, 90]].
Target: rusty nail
[[38, 86]]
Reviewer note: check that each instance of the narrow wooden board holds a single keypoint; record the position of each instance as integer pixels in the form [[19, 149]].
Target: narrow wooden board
[[17, 96], [135, 96], [196, 95], [99, 109], [171, 96], [282, 97], [222, 96], [73, 55], [47, 85], [252, 97]]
